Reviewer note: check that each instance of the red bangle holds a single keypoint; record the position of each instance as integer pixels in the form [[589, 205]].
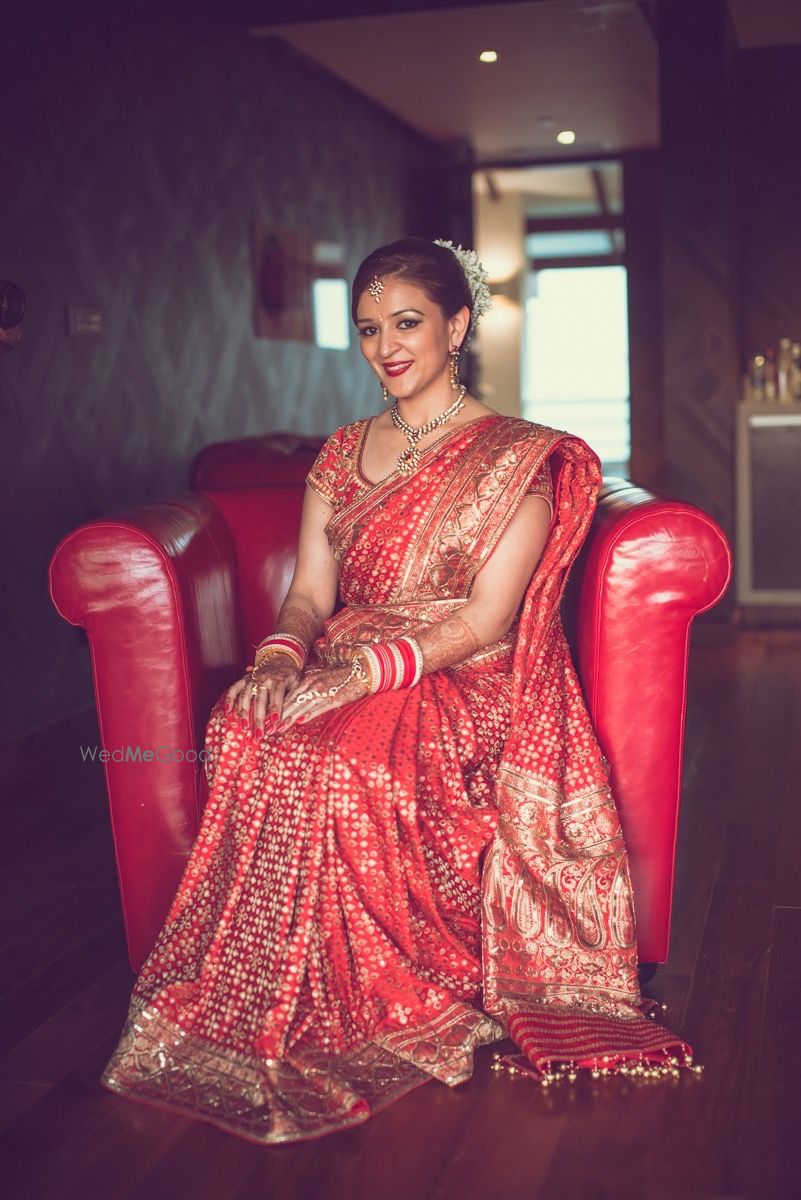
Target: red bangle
[[385, 667], [285, 643], [393, 665], [286, 640], [409, 664]]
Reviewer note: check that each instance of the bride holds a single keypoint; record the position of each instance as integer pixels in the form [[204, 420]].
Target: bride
[[410, 847]]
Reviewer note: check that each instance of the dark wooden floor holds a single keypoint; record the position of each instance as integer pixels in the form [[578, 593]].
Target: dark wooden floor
[[732, 987]]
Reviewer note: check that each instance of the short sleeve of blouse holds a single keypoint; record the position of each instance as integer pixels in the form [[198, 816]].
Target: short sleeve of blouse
[[324, 470], [542, 485]]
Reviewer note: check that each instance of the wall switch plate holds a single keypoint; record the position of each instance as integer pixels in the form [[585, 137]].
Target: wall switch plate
[[83, 321]]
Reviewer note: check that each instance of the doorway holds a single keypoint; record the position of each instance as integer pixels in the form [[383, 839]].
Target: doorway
[[556, 348]]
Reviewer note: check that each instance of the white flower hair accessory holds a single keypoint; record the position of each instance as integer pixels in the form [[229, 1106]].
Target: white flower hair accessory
[[476, 276]]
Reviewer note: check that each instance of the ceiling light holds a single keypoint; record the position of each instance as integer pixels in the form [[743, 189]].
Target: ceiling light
[[567, 137], [488, 56]]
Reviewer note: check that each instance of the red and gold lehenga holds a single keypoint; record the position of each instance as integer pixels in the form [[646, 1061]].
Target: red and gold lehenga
[[374, 894]]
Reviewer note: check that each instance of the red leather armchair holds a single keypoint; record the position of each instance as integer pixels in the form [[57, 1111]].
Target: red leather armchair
[[174, 595], [269, 458]]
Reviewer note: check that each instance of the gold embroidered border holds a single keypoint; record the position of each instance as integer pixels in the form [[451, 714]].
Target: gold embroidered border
[[307, 1093], [444, 1047]]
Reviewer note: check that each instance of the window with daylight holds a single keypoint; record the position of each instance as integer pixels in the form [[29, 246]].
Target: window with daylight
[[576, 369], [576, 339]]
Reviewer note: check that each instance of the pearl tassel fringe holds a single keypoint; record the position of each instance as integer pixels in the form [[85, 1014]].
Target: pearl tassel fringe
[[602, 1067]]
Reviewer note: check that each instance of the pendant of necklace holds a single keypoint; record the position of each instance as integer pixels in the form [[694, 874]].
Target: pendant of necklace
[[409, 459]]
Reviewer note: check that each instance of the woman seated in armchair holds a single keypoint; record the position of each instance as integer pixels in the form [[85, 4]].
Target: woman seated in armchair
[[410, 846]]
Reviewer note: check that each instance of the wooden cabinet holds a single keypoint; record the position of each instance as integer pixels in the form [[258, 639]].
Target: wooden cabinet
[[768, 557]]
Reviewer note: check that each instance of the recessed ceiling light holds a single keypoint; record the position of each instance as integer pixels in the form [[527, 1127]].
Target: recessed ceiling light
[[488, 56], [567, 137]]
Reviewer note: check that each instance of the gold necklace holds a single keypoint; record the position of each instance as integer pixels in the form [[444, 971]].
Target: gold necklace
[[409, 459]]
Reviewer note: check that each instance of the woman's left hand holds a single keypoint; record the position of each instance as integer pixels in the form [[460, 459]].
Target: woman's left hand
[[306, 699]]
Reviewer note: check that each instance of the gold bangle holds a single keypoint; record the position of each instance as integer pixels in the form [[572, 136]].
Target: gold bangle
[[271, 652], [368, 663], [286, 642]]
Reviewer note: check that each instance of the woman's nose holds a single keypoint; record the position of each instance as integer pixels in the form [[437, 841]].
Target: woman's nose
[[386, 342]]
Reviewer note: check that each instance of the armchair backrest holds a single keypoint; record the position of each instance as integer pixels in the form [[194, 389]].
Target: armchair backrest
[[263, 523]]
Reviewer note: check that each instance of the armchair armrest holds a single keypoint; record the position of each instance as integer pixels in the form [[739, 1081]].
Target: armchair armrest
[[651, 566], [156, 590], [171, 595]]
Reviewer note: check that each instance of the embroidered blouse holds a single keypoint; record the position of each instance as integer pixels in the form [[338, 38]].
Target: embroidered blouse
[[337, 473]]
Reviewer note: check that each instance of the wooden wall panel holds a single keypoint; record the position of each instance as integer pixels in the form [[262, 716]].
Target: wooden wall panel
[[642, 190], [700, 240], [770, 107]]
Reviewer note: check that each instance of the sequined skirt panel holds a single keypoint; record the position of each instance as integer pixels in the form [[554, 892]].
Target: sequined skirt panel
[[322, 955]]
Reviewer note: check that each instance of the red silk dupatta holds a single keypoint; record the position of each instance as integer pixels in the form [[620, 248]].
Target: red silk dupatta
[[558, 923], [558, 926]]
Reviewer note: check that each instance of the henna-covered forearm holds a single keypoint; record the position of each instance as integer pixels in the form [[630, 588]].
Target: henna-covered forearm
[[300, 617], [449, 641]]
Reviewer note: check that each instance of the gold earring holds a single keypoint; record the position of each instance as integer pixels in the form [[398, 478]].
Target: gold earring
[[455, 381], [385, 394]]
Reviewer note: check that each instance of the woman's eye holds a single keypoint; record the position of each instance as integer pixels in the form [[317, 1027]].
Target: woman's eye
[[404, 323]]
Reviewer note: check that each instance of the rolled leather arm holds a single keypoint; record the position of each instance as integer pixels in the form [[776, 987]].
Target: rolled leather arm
[[155, 589], [650, 566]]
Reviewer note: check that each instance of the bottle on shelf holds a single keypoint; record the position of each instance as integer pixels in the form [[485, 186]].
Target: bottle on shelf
[[784, 368], [773, 373], [795, 371], [770, 374], [756, 379]]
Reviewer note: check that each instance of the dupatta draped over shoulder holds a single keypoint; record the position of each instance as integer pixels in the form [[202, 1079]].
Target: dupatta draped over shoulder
[[558, 926], [377, 892]]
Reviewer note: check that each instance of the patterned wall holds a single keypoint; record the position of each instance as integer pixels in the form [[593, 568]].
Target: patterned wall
[[771, 188], [700, 268], [642, 190], [713, 250], [132, 163]]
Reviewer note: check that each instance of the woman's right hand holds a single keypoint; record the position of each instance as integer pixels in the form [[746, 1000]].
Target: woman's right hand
[[274, 678]]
